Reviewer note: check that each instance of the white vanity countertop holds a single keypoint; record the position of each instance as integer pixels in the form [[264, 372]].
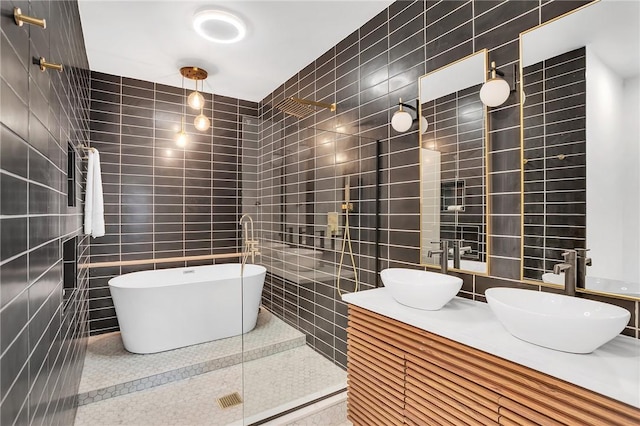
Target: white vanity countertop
[[612, 370]]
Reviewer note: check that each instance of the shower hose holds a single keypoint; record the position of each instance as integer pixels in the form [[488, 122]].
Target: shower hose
[[346, 239]]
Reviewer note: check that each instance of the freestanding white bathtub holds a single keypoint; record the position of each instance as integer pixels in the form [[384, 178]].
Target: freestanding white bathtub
[[171, 308]]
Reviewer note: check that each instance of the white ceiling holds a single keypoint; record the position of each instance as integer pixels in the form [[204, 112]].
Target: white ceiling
[[609, 28], [150, 40]]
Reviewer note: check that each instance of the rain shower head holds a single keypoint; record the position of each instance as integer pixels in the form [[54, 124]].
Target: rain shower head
[[302, 107]]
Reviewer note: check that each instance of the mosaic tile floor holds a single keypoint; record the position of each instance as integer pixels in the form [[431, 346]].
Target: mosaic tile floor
[[110, 370], [266, 384], [329, 412]]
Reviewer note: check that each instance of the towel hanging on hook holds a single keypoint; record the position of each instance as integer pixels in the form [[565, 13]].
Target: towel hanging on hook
[[86, 148]]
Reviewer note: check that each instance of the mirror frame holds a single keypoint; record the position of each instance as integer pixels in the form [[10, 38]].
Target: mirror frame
[[520, 85], [487, 215]]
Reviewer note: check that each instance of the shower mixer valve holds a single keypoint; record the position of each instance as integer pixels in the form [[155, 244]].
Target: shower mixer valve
[[332, 223]]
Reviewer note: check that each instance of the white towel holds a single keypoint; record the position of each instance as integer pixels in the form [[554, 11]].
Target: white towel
[[93, 202]]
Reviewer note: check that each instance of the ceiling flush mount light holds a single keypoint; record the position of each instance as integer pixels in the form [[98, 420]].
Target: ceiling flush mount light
[[219, 26], [401, 121], [496, 90]]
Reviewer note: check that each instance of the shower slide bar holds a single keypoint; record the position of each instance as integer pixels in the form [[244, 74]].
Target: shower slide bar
[[163, 260]]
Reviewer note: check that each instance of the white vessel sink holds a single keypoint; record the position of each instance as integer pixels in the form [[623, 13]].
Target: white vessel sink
[[625, 288], [607, 285], [471, 265], [551, 278], [420, 289], [304, 258], [556, 321]]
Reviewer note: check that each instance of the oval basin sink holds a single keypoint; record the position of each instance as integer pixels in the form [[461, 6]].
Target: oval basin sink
[[471, 265], [556, 321], [607, 285], [304, 258], [420, 289]]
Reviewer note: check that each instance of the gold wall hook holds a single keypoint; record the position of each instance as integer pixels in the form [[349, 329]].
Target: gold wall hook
[[21, 19], [44, 65]]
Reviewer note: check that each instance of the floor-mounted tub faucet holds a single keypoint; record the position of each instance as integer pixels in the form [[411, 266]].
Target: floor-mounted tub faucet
[[250, 243], [443, 252], [569, 267]]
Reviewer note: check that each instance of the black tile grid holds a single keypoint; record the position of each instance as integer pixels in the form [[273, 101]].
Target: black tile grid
[[555, 187], [43, 328], [372, 68], [161, 200], [456, 130]]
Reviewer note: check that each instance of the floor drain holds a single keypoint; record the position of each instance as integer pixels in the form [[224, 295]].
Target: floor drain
[[230, 400]]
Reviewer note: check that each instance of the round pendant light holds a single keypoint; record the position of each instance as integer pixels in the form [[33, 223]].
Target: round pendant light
[[201, 122], [196, 100], [182, 139]]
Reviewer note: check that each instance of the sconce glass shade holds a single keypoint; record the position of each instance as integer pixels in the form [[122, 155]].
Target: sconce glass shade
[[424, 124], [182, 139], [195, 100], [401, 121], [494, 92], [201, 122]]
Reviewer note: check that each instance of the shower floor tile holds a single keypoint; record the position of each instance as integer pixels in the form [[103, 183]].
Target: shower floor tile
[[267, 386], [109, 370]]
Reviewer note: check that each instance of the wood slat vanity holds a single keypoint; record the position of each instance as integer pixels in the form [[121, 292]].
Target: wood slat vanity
[[399, 374]]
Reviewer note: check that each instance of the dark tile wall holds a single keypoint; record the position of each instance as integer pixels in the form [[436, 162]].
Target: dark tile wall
[[555, 152], [366, 74], [42, 325], [296, 195], [162, 200], [456, 129]]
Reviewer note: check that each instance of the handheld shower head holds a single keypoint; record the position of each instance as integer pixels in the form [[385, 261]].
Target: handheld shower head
[[347, 189]]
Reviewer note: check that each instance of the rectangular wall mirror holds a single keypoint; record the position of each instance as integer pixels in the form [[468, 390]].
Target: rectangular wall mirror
[[580, 146], [453, 167]]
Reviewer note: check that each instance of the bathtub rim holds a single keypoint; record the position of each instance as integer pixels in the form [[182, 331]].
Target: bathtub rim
[[120, 281]]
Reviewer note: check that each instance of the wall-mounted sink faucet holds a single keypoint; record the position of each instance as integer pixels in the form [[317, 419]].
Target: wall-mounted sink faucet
[[569, 267], [458, 251], [582, 262], [444, 255]]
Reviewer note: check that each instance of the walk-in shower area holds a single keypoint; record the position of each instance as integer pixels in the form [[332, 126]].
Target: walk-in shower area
[[237, 380], [318, 209], [227, 310]]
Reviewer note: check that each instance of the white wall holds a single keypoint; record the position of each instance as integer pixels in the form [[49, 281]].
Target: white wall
[[631, 176], [612, 174]]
